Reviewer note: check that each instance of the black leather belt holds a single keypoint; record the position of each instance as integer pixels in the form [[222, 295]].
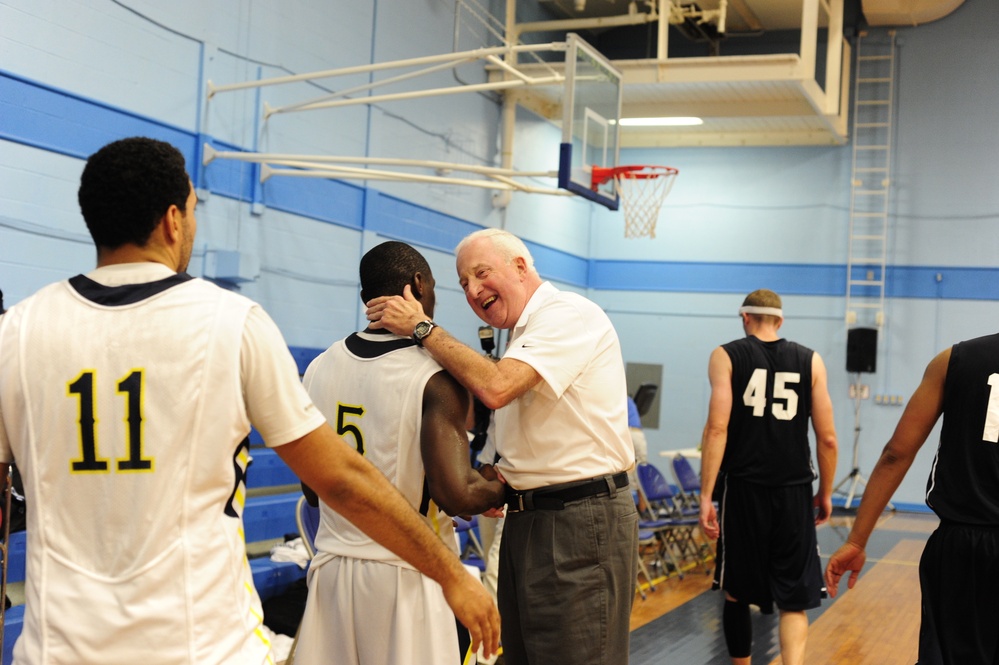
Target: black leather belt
[[554, 497]]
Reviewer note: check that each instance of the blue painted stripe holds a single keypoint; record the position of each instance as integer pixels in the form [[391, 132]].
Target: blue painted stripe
[[944, 282], [58, 121], [47, 118], [329, 201], [401, 220], [228, 177], [560, 266], [688, 277]]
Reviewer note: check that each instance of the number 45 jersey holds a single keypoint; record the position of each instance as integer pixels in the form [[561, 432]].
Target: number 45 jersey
[[771, 404], [125, 408]]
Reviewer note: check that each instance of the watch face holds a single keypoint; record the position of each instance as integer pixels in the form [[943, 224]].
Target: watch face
[[422, 328]]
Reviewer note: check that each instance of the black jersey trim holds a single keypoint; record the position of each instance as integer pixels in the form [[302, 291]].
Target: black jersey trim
[[125, 294], [366, 348]]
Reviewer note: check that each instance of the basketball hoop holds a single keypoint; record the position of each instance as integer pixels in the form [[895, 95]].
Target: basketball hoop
[[641, 190]]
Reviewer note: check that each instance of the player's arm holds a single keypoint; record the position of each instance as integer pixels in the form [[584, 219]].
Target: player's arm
[[715, 436], [826, 447], [918, 419], [456, 487], [347, 482], [496, 384], [357, 490]]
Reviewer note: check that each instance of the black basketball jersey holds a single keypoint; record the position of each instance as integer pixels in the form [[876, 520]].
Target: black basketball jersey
[[771, 404], [964, 480]]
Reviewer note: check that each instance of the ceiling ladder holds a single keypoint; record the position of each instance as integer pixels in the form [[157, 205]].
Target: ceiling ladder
[[873, 111]]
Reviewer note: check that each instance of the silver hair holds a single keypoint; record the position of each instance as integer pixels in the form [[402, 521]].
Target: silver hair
[[508, 245]]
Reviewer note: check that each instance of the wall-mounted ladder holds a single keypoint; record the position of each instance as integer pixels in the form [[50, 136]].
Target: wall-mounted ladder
[[873, 111]]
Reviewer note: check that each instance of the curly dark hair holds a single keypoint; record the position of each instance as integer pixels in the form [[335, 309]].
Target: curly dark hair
[[387, 268], [126, 188]]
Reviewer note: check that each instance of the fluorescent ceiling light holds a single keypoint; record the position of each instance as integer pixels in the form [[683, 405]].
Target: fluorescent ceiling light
[[673, 121]]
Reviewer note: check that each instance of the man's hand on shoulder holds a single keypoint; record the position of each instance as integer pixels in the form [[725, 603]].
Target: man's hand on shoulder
[[398, 314]]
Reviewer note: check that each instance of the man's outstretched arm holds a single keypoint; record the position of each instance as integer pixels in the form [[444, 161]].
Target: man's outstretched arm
[[496, 384], [826, 447], [715, 437], [918, 419]]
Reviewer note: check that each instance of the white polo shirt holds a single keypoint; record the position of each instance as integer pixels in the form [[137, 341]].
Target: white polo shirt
[[574, 424]]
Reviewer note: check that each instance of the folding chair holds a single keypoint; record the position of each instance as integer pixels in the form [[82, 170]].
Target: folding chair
[[648, 543], [662, 504], [307, 519], [654, 531], [687, 481]]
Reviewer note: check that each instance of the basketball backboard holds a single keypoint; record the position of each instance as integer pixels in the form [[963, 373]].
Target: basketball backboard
[[591, 111]]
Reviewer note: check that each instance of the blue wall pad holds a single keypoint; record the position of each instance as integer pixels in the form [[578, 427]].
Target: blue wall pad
[[13, 620], [16, 549], [268, 470], [268, 517]]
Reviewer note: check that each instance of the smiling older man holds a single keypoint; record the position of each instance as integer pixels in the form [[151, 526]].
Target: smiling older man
[[567, 560]]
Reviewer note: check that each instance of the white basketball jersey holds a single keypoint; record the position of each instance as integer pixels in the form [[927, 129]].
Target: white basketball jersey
[[370, 388], [129, 443]]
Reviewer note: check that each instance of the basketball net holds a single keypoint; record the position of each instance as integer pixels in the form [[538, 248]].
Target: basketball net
[[641, 191]]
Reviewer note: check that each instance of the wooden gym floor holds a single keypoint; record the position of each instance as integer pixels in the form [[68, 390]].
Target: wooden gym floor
[[876, 623]]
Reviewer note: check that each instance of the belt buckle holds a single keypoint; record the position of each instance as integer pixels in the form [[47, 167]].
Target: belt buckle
[[517, 507]]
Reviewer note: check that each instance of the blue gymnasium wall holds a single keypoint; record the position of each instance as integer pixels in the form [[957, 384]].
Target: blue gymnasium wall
[[76, 75], [739, 219]]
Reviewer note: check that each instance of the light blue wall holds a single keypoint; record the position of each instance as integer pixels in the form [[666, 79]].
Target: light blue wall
[[739, 219], [76, 75]]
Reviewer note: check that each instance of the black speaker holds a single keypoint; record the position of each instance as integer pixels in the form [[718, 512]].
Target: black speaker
[[644, 396], [861, 349]]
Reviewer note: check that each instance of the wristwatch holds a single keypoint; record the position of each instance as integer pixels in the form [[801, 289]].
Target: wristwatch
[[421, 331]]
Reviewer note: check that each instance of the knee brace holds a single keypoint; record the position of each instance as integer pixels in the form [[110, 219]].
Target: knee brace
[[738, 629]]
